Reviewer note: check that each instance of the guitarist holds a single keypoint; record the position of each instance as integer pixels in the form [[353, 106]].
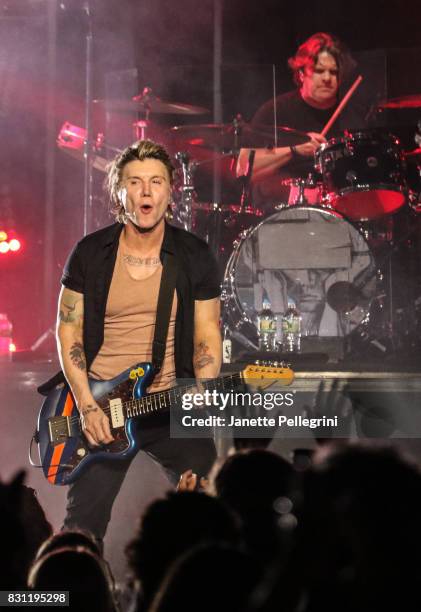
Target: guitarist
[[106, 323]]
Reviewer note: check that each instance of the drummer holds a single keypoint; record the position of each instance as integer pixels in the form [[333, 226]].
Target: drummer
[[318, 67]]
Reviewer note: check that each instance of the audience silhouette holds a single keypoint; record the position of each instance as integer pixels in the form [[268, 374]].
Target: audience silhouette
[[342, 533]]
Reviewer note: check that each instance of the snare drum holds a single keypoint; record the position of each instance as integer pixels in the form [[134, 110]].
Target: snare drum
[[298, 253], [363, 174]]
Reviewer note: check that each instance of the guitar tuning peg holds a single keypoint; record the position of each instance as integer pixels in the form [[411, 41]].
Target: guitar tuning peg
[[257, 362]]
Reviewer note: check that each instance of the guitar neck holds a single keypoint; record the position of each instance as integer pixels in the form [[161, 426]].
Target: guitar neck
[[161, 401]]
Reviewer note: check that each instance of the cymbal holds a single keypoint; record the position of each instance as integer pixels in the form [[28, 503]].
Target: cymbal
[[223, 207], [98, 162], [146, 102], [413, 101], [223, 136]]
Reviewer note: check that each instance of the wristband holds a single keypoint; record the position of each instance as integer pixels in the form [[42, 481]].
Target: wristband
[[294, 152]]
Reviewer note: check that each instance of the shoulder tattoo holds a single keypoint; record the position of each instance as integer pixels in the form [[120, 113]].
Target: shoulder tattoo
[[68, 312]]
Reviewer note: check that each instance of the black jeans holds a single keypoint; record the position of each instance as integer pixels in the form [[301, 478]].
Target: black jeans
[[90, 498]]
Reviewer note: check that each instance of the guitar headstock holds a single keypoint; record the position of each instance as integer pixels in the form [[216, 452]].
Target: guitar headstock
[[265, 373]]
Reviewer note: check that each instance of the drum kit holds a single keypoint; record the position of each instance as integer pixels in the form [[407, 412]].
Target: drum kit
[[345, 246]]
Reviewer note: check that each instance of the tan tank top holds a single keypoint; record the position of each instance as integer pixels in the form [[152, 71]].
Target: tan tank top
[[130, 325]]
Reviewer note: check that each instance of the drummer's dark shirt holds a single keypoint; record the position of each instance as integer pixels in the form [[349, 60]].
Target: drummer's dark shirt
[[293, 112]]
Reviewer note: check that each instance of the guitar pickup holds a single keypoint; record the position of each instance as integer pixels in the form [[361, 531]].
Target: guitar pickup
[[59, 429], [116, 413]]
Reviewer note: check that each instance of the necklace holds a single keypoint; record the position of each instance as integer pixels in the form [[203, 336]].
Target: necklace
[[131, 260]]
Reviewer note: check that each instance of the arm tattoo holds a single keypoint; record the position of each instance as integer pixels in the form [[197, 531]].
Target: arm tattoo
[[77, 355], [202, 357], [88, 409], [69, 315]]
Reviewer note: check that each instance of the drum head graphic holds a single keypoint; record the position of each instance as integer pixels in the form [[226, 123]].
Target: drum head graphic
[[311, 256]]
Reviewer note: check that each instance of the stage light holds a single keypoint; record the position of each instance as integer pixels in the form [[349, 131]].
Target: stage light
[[4, 247], [14, 244], [12, 348], [3, 236]]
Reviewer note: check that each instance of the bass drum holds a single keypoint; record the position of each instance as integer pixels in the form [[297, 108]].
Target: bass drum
[[309, 255]]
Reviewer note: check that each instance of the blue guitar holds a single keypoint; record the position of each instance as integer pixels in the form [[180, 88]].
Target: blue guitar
[[63, 449]]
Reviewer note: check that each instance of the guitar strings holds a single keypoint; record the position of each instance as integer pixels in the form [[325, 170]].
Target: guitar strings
[[148, 398]]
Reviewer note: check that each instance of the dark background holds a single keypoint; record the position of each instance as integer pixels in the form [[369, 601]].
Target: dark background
[[169, 47]]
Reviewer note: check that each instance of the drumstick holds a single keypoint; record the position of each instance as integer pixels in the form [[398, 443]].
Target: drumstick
[[342, 104]]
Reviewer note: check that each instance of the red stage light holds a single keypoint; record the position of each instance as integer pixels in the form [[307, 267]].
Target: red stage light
[[4, 247], [14, 244], [3, 236]]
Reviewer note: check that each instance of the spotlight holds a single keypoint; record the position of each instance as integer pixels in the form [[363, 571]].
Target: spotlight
[[3, 236], [14, 244], [12, 348], [4, 247]]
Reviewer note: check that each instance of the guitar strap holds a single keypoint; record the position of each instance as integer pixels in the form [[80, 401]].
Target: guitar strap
[[165, 300]]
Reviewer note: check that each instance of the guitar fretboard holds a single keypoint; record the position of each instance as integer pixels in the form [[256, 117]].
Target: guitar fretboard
[[164, 400]]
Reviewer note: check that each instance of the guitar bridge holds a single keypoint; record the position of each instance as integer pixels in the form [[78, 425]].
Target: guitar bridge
[[59, 429]]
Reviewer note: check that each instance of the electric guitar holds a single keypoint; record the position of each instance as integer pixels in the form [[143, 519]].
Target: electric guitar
[[63, 449]]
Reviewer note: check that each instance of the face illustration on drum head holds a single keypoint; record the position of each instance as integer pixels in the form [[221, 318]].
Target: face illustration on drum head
[[297, 254], [311, 293]]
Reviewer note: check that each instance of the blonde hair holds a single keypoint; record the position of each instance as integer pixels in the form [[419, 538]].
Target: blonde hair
[[140, 150]]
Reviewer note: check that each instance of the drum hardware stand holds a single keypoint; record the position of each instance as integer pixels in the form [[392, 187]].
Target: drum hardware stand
[[184, 214], [237, 124], [245, 201], [417, 136], [383, 266], [139, 129], [415, 196], [188, 194], [141, 126], [301, 198], [302, 184]]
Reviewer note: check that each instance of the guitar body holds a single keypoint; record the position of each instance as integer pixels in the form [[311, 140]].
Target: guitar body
[[63, 449]]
